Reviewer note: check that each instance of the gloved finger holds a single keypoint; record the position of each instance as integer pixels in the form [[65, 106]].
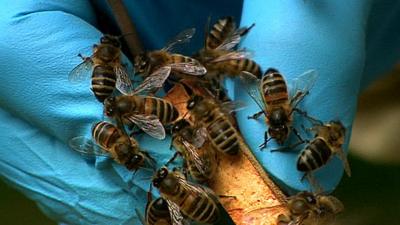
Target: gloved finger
[[37, 59], [40, 43], [295, 36], [382, 40], [64, 186]]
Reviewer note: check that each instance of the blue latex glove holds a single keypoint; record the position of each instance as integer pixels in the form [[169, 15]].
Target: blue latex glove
[[41, 110]]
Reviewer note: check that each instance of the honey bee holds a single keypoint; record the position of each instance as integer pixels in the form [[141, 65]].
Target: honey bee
[[277, 104], [158, 212], [156, 66], [199, 156], [114, 143], [306, 208], [148, 113], [219, 56], [221, 131], [328, 141], [195, 202], [107, 71]]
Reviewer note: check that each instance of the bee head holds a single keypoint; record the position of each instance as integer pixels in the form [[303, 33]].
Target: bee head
[[193, 102], [180, 125], [136, 161], [160, 204], [160, 176], [109, 106], [111, 40], [140, 63], [278, 128], [301, 203]]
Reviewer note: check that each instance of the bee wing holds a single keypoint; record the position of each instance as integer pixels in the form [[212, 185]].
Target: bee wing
[[234, 55], [175, 213], [200, 137], [87, 147], [251, 84], [190, 68], [195, 157], [154, 80], [303, 83], [180, 38], [232, 106], [233, 40], [123, 83], [149, 124], [82, 71]]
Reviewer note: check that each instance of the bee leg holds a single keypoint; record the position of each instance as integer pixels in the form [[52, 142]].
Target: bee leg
[[173, 158], [305, 114], [151, 160], [266, 139], [185, 169], [256, 115]]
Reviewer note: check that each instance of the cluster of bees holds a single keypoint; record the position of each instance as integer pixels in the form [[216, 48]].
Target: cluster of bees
[[205, 127]]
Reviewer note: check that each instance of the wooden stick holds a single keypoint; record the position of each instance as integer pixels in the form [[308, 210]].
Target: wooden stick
[[126, 26]]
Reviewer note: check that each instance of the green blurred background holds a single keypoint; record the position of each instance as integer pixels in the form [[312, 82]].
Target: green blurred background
[[371, 196]]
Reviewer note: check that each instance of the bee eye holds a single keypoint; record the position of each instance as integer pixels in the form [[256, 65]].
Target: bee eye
[[163, 173], [156, 183], [311, 200]]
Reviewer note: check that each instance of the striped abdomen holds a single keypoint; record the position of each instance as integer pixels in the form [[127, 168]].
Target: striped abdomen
[[103, 81], [219, 32], [163, 109], [236, 66], [316, 154], [197, 206], [178, 58], [274, 89], [105, 134], [222, 133], [157, 213]]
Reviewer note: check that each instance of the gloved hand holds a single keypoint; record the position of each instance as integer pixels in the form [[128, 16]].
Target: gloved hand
[[41, 110]]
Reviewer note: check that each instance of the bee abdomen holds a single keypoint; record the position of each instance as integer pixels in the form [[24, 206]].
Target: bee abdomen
[[105, 134], [220, 32], [177, 58], [274, 89], [315, 155], [164, 110], [103, 82], [203, 210], [224, 136], [158, 212]]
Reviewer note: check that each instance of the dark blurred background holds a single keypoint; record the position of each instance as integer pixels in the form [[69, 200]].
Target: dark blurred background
[[371, 196]]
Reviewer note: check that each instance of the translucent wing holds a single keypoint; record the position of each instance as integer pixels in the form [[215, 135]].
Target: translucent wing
[[87, 147], [234, 55], [123, 84], [82, 71], [232, 106], [154, 80], [190, 68], [195, 157], [303, 83], [180, 38], [200, 137], [233, 40], [175, 212], [149, 124], [251, 84]]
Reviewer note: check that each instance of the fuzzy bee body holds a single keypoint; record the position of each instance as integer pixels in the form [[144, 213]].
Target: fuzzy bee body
[[328, 141], [220, 129], [157, 213], [194, 201], [219, 55], [198, 153], [306, 208], [107, 71]]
